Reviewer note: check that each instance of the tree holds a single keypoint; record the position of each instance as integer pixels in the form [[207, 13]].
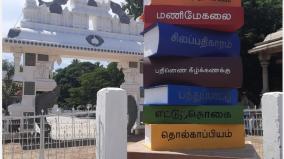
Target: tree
[[92, 82], [80, 82], [9, 88], [69, 77], [261, 18], [133, 7], [116, 75]]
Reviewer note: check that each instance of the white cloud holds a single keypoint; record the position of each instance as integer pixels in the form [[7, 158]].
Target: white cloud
[[67, 61], [8, 57]]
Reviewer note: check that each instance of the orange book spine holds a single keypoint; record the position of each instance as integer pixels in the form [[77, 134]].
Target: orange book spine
[[165, 137]]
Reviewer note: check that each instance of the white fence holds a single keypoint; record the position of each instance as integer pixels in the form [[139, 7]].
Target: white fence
[[72, 135], [254, 129], [58, 136], [253, 122]]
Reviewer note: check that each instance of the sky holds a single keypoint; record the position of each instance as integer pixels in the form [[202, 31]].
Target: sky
[[11, 17], [11, 12]]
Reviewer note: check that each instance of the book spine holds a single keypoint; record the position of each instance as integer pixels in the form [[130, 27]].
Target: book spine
[[214, 18], [193, 114], [221, 3], [187, 95], [190, 42], [191, 95], [194, 136], [206, 72]]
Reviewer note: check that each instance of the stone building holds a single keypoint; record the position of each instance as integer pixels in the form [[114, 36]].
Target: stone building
[[86, 29], [270, 56]]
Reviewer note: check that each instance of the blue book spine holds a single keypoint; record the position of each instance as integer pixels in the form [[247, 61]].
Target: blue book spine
[[191, 42], [196, 96]]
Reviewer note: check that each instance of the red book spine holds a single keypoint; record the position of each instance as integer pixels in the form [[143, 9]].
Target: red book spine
[[226, 19]]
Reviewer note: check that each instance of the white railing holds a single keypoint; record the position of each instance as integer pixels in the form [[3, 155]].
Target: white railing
[[72, 135], [254, 129], [253, 122], [56, 136]]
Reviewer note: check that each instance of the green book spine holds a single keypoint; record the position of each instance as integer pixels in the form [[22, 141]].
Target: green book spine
[[193, 114]]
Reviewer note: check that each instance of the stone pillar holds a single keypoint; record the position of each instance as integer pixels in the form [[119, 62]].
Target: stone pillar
[[133, 81], [272, 106], [264, 61], [43, 74], [52, 61], [111, 124], [51, 70], [17, 61]]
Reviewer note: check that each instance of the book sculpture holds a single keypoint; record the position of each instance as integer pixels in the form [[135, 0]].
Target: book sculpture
[[192, 70]]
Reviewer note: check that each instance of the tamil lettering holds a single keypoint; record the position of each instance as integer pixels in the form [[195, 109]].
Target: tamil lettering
[[204, 96], [191, 15], [202, 42], [169, 136], [191, 114], [193, 70]]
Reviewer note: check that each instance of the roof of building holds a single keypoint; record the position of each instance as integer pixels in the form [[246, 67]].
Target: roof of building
[[271, 44], [67, 33], [78, 41]]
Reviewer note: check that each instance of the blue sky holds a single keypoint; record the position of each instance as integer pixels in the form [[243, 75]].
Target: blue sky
[[11, 16], [11, 11]]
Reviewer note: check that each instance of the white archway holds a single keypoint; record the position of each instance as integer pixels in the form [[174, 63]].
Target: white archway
[[44, 38]]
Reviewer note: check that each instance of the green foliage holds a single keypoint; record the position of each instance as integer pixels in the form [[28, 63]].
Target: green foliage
[[133, 7], [80, 82], [9, 68], [262, 17], [116, 75], [9, 88]]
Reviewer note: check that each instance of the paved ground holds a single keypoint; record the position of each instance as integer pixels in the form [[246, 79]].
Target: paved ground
[[256, 141], [64, 153], [86, 152], [14, 151]]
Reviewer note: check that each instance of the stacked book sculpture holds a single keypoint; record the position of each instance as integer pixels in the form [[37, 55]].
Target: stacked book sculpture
[[192, 70]]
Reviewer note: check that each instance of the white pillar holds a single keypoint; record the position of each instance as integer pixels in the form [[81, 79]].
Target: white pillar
[[264, 61], [272, 125], [17, 61], [52, 60], [111, 124], [265, 81]]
